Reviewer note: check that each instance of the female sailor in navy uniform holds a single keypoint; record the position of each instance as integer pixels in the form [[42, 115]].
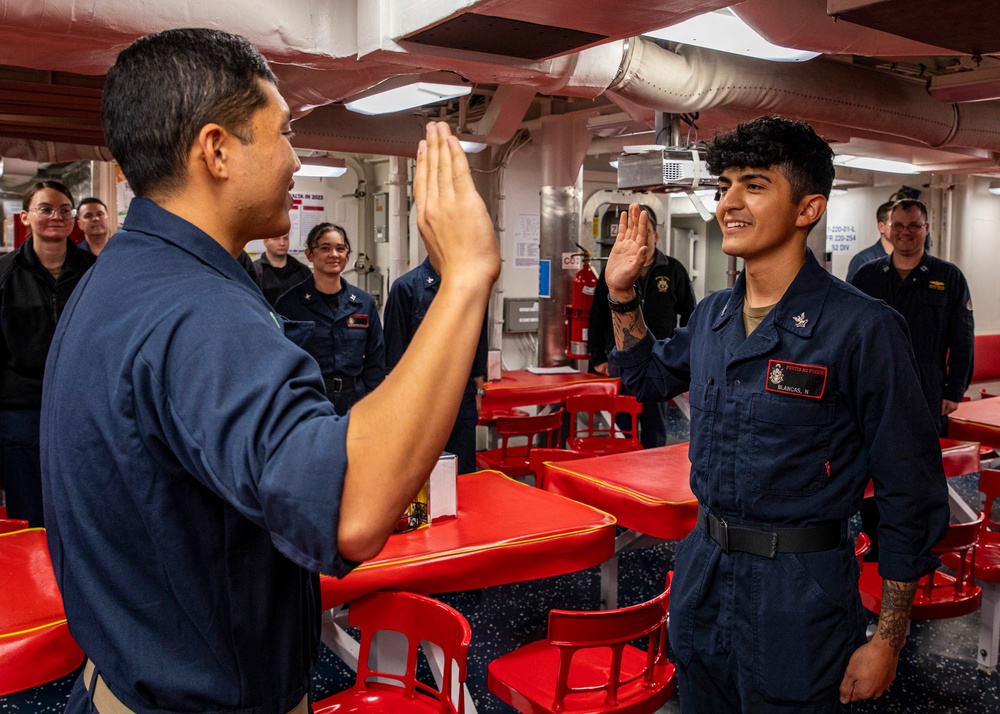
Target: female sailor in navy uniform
[[347, 341]]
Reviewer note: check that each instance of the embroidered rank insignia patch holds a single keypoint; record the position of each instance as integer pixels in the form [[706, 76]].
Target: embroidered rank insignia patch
[[662, 283], [359, 320], [936, 285], [797, 380]]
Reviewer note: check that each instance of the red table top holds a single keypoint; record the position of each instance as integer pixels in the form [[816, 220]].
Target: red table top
[[519, 388], [647, 491], [976, 420], [506, 532]]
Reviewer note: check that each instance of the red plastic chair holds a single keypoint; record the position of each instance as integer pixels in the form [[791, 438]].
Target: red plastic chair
[[420, 619], [862, 546], [9, 525], [598, 441], [488, 418], [35, 644], [940, 595], [513, 460], [587, 664], [983, 394], [537, 457], [987, 566]]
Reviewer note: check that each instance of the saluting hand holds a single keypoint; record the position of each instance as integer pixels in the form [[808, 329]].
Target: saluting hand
[[451, 215], [629, 253]]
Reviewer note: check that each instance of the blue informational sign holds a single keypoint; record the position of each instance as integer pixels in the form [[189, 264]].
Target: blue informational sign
[[544, 278]]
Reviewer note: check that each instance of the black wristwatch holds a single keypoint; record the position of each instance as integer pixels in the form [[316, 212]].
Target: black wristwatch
[[624, 307]]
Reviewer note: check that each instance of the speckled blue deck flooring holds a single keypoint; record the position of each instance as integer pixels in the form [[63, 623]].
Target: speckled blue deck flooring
[[937, 670]]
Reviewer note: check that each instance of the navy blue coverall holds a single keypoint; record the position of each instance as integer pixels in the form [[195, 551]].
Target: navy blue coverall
[[872, 252], [348, 343], [193, 470], [936, 304], [787, 426], [409, 298]]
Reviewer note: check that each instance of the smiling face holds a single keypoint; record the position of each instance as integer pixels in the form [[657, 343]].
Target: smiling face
[[908, 232], [49, 215], [756, 212], [329, 256]]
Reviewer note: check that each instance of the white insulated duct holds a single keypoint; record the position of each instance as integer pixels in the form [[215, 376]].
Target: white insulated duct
[[830, 92]]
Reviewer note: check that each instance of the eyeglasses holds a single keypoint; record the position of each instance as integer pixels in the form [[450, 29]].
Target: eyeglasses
[[909, 226], [50, 212], [330, 248]]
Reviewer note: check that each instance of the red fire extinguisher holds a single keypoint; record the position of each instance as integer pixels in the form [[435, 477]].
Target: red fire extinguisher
[[578, 310]]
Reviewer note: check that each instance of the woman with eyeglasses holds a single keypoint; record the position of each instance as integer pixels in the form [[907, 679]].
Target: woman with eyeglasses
[[347, 341], [35, 283]]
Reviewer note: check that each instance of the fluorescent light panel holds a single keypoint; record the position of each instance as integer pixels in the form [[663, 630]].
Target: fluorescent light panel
[[321, 167], [872, 164], [725, 32], [407, 96]]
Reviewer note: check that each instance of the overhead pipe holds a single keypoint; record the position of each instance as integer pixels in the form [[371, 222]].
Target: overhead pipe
[[693, 79]]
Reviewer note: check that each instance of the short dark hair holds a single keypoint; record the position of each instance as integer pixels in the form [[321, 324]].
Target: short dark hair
[[93, 199], [905, 204], [38, 186], [320, 230], [884, 211], [164, 88], [792, 147]]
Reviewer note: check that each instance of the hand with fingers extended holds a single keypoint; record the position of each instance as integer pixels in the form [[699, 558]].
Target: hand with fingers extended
[[629, 253], [451, 215]]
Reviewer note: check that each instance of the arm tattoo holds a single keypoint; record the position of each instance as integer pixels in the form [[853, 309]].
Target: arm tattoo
[[897, 597], [629, 328]]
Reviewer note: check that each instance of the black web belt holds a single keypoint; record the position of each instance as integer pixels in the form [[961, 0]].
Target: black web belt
[[768, 543], [336, 385]]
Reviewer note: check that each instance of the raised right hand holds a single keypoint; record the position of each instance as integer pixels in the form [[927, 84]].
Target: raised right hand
[[451, 215], [628, 254]]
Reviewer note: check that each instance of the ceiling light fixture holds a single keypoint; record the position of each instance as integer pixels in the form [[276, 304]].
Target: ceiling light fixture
[[872, 164], [321, 167], [409, 91], [472, 147], [725, 32], [977, 85], [994, 188]]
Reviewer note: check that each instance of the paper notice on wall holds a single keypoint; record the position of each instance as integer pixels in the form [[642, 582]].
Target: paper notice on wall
[[526, 241], [308, 210], [841, 238]]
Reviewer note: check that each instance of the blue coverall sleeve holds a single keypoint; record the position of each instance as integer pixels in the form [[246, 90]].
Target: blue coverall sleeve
[[374, 368], [242, 409], [398, 307], [904, 455], [656, 370], [961, 344]]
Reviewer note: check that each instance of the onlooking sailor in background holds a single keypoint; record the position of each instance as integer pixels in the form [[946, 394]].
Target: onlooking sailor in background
[[408, 303], [347, 339], [880, 248], [277, 270]]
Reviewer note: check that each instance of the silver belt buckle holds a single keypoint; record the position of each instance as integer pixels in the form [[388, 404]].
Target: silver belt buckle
[[725, 535]]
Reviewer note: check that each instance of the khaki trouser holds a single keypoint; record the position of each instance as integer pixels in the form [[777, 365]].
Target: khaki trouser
[[107, 703]]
